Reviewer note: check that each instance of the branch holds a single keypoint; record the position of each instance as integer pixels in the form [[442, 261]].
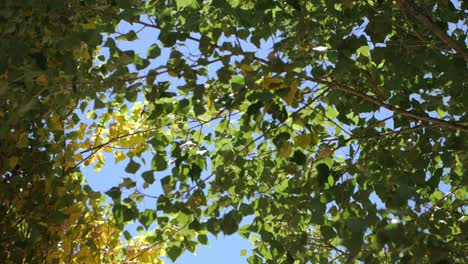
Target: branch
[[380, 135], [429, 24], [95, 149], [399, 111], [234, 51], [117, 138], [438, 203]]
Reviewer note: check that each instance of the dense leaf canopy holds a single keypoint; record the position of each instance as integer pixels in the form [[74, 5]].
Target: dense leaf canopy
[[323, 131]]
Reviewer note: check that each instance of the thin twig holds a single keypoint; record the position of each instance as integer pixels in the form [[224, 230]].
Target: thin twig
[[399, 111]]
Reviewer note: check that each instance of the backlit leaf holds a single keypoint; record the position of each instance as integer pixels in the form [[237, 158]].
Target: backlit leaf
[[132, 167]]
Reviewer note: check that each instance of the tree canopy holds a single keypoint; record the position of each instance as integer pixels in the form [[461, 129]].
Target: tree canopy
[[323, 131]]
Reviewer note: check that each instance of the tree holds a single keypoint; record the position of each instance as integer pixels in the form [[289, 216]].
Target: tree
[[346, 143], [48, 213]]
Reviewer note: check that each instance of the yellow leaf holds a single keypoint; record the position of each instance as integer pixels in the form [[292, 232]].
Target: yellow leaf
[[52, 63], [74, 211], [53, 147], [90, 25], [69, 165], [172, 73], [246, 67], [285, 149], [140, 149], [130, 252], [146, 256], [86, 144], [12, 161], [325, 152], [22, 141], [100, 157], [85, 54], [119, 156], [90, 160], [98, 167], [78, 157], [314, 139], [113, 130], [289, 98], [306, 140], [172, 129], [298, 124], [42, 80], [81, 130], [54, 123], [107, 149], [81, 53], [209, 103], [97, 50], [303, 141], [271, 83]]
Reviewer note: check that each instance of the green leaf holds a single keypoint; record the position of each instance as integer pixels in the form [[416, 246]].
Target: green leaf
[[182, 218], [195, 172], [285, 149], [229, 224], [148, 176], [246, 209], [364, 50], [186, 3], [129, 36], [174, 252], [437, 196], [127, 183], [140, 63], [114, 193], [167, 183], [132, 167], [98, 104], [196, 225], [323, 171], [154, 51], [203, 239], [147, 217], [213, 226], [299, 158], [461, 194], [131, 94], [327, 232], [123, 213], [234, 3], [58, 217], [243, 252], [355, 225], [127, 235], [238, 80], [254, 259], [159, 163]]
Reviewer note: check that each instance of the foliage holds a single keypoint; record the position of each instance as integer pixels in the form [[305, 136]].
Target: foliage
[[48, 213], [345, 143]]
